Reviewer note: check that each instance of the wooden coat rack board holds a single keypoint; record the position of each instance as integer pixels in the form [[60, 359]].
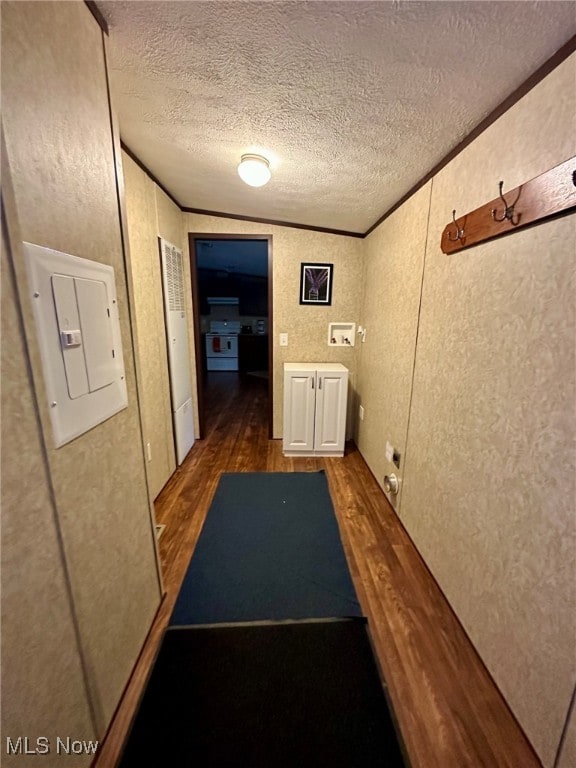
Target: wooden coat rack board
[[550, 193]]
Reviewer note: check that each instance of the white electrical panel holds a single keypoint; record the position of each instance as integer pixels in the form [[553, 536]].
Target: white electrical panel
[[76, 312]]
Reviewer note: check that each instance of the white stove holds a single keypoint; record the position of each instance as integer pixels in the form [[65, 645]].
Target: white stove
[[222, 345]]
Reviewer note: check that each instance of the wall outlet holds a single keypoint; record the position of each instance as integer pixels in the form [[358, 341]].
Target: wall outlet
[[148, 451], [361, 412], [283, 339]]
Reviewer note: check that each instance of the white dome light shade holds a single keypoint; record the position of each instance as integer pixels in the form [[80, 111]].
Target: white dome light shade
[[254, 170]]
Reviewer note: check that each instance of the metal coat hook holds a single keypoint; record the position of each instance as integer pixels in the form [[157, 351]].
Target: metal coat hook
[[508, 209], [459, 232], [535, 200]]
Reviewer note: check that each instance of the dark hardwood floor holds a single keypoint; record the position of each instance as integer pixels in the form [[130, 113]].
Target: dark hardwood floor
[[449, 711]]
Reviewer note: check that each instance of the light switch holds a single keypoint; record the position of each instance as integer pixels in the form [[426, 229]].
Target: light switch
[[283, 339], [389, 451]]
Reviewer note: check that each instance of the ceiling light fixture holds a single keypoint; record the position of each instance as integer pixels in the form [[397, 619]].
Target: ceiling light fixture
[[254, 170]]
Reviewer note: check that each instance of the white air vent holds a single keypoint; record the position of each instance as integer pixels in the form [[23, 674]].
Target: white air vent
[[174, 277]]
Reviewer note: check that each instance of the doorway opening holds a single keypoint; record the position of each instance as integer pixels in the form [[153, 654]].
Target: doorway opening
[[232, 300]]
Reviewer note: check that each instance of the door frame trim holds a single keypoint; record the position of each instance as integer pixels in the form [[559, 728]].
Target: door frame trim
[[192, 238]]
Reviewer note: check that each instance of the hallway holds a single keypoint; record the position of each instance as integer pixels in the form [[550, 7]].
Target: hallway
[[123, 126], [449, 711]]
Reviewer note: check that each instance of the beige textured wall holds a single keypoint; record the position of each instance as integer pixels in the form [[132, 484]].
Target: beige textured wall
[[59, 150], [489, 480], [43, 689], [169, 218], [568, 754], [143, 219], [307, 327], [393, 263]]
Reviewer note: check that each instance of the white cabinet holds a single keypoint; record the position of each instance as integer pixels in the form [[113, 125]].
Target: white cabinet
[[315, 396]]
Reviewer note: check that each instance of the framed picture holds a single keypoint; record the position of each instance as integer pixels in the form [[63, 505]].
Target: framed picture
[[316, 284]]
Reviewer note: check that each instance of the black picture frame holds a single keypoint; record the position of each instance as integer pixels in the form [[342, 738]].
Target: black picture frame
[[316, 283]]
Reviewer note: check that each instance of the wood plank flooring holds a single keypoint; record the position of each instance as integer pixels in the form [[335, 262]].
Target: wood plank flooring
[[449, 711]]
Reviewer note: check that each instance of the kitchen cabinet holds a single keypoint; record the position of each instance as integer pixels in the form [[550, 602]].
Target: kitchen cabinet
[[253, 294], [315, 399], [252, 352], [214, 283]]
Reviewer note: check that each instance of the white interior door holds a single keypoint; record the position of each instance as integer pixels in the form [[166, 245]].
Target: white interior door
[[177, 343]]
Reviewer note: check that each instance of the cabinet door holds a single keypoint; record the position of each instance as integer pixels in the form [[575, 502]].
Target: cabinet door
[[299, 399], [330, 421]]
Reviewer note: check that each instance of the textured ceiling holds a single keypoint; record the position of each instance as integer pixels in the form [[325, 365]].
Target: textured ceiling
[[352, 102]]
